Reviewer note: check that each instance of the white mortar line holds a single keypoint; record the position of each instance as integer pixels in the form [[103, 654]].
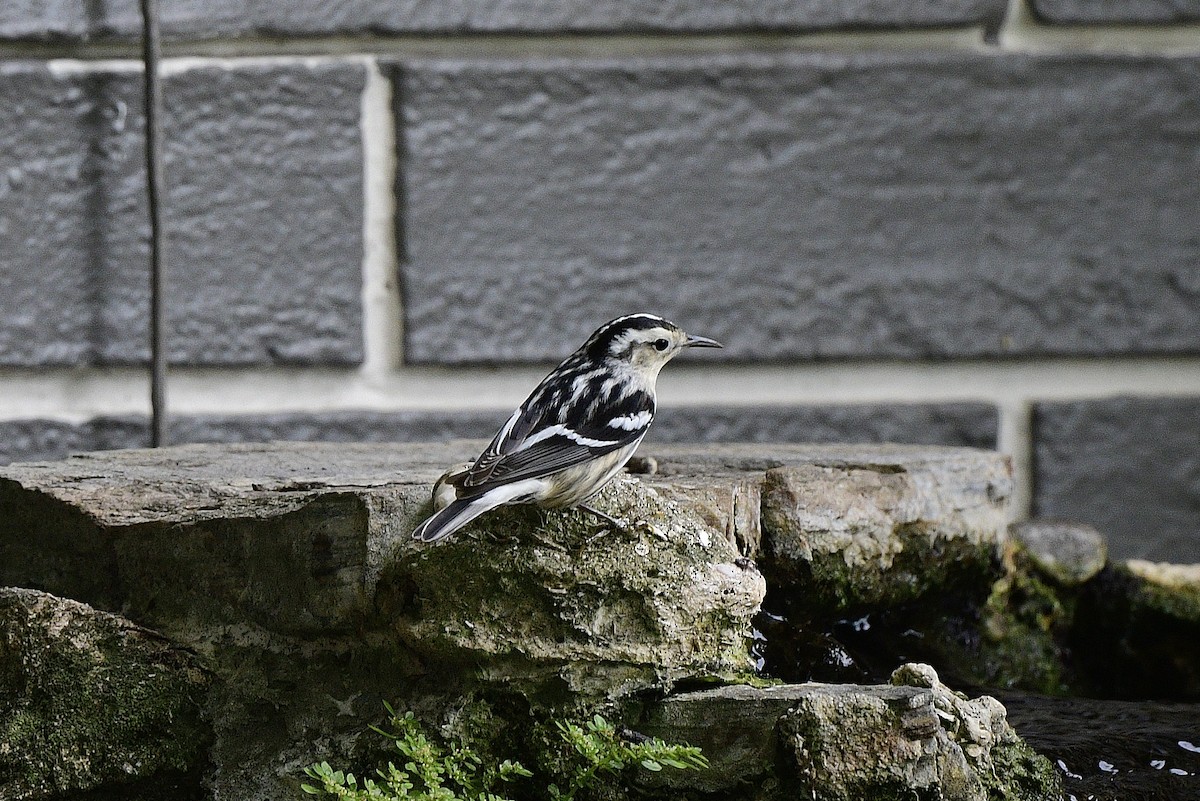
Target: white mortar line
[[382, 334], [64, 393], [1020, 31], [67, 67], [1014, 436], [533, 44], [175, 65]]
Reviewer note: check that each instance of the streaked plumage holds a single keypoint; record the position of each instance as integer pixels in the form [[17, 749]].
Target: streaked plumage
[[574, 432]]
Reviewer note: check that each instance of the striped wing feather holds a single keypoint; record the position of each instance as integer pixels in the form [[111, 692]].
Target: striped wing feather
[[541, 438]]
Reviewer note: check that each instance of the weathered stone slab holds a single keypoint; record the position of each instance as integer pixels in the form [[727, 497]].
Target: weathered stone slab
[[840, 527], [276, 534], [262, 209], [884, 205], [91, 702], [315, 538], [203, 19], [969, 424], [912, 738], [310, 538]]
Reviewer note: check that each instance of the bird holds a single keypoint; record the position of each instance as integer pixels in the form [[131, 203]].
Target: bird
[[574, 432]]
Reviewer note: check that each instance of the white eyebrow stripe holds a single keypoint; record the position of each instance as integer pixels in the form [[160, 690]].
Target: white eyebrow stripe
[[574, 436], [631, 422]]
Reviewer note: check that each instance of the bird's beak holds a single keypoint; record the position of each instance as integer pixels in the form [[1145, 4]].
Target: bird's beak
[[701, 342]]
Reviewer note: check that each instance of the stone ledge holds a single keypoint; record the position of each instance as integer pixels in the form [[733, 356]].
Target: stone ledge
[[297, 536]]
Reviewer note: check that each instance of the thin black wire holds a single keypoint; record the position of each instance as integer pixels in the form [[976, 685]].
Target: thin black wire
[[152, 96]]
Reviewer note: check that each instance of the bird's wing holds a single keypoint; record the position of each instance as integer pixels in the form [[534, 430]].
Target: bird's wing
[[509, 438], [545, 436], [555, 449]]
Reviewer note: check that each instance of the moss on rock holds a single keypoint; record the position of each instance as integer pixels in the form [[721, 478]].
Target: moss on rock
[[660, 598], [91, 701], [842, 537]]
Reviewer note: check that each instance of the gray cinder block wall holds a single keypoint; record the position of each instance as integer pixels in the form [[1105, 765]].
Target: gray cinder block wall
[[968, 222]]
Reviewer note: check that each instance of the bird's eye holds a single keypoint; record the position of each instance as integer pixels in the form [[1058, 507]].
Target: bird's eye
[[661, 344]]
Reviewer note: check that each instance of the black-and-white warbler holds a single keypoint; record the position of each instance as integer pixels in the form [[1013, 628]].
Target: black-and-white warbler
[[573, 433]]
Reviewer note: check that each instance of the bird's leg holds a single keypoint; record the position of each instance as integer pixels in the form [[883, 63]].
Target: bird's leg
[[610, 520], [613, 524]]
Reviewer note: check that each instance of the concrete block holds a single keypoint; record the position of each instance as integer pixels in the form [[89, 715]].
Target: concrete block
[[35, 440], [810, 206], [263, 215], [970, 424], [1128, 466], [1076, 12]]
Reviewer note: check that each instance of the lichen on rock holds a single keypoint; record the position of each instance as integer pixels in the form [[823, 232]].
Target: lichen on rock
[[911, 738], [661, 594]]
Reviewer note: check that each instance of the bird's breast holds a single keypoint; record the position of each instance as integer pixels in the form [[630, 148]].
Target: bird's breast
[[576, 484]]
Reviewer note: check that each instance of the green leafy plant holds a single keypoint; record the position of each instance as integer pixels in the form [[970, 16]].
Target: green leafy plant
[[603, 750], [432, 772]]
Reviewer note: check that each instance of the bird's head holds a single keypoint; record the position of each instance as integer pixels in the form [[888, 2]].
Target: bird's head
[[644, 341]]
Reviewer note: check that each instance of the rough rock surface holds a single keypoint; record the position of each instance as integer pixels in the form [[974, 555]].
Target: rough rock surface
[[294, 537], [1171, 589], [1070, 553], [289, 568], [912, 738], [851, 525], [306, 539], [90, 702], [1135, 631]]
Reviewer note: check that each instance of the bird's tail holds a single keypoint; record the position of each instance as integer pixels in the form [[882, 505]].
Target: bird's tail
[[452, 517]]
